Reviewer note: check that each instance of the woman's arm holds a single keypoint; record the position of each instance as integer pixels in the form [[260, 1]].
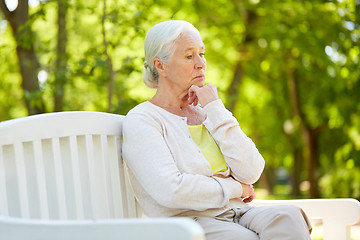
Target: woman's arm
[[240, 153], [147, 155]]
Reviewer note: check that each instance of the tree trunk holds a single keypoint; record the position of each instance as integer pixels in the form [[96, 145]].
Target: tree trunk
[[296, 174], [233, 89], [28, 62], [309, 134], [268, 179], [249, 19], [61, 60], [311, 139]]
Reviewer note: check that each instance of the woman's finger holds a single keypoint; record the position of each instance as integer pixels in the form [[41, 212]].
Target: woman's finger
[[204, 94], [193, 98]]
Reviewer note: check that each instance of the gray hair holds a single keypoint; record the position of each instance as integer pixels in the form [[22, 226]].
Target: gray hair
[[159, 43]]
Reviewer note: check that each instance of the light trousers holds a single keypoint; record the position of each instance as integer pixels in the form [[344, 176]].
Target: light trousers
[[254, 223]]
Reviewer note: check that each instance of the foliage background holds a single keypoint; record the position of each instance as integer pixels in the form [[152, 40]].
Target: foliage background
[[289, 71]]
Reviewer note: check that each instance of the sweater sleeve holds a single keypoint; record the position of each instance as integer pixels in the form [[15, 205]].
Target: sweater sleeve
[[148, 157], [240, 153]]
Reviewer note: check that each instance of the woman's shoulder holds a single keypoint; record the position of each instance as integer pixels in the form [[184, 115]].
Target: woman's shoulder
[[142, 113], [151, 110], [144, 117], [149, 113], [140, 108]]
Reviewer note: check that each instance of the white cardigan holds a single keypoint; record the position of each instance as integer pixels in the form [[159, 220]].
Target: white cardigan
[[169, 174]]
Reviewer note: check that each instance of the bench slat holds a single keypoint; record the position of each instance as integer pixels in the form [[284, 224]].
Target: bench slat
[[41, 179]]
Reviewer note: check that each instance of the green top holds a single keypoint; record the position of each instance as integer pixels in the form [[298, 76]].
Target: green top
[[208, 147]]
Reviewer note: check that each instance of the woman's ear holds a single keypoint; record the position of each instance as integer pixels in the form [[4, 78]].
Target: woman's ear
[[159, 65]]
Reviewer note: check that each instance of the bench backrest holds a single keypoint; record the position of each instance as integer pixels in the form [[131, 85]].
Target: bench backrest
[[64, 166]]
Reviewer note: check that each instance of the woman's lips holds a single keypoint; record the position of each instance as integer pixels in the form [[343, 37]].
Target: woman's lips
[[200, 77]]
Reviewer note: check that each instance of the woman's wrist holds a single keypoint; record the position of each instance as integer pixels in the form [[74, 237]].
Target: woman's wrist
[[231, 187]]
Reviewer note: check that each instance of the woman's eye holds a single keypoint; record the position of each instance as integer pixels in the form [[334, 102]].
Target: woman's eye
[[202, 54], [189, 57]]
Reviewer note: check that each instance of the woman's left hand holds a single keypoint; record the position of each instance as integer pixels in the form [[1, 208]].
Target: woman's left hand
[[204, 94], [248, 193]]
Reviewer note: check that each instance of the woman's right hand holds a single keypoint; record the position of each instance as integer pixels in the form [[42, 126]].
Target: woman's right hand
[[248, 193], [204, 94]]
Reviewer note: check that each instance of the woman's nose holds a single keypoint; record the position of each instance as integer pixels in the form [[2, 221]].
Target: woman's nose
[[200, 62]]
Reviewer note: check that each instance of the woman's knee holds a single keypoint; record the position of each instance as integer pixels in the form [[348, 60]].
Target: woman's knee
[[290, 211], [276, 222], [294, 221], [295, 213], [300, 216]]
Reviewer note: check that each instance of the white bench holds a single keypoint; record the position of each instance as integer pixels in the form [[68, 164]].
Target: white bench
[[61, 175]]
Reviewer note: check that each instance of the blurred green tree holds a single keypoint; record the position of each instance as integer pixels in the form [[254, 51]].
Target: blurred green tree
[[289, 70], [21, 25]]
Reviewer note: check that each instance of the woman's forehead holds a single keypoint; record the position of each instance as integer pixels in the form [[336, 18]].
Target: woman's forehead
[[190, 41]]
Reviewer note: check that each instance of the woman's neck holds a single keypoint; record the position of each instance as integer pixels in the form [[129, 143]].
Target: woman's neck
[[174, 99], [169, 98], [179, 106]]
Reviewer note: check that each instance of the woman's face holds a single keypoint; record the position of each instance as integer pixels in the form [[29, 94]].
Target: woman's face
[[187, 65]]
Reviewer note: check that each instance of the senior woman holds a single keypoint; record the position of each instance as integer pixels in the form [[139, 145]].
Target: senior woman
[[186, 154]]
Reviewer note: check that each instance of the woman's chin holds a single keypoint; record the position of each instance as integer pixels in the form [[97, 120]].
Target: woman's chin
[[200, 83]]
